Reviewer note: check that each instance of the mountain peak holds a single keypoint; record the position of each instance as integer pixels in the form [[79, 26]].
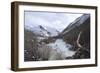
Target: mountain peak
[[44, 31]]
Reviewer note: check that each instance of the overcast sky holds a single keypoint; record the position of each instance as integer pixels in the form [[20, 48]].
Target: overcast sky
[[58, 21]]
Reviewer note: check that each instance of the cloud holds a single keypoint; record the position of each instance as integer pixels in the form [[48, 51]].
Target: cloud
[[58, 21]]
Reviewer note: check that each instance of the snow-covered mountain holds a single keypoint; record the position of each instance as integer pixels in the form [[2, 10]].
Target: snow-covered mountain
[[43, 31]]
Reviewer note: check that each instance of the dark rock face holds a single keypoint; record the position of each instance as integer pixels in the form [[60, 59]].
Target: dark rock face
[[71, 33]]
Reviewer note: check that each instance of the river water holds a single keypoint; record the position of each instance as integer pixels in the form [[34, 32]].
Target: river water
[[62, 47]]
